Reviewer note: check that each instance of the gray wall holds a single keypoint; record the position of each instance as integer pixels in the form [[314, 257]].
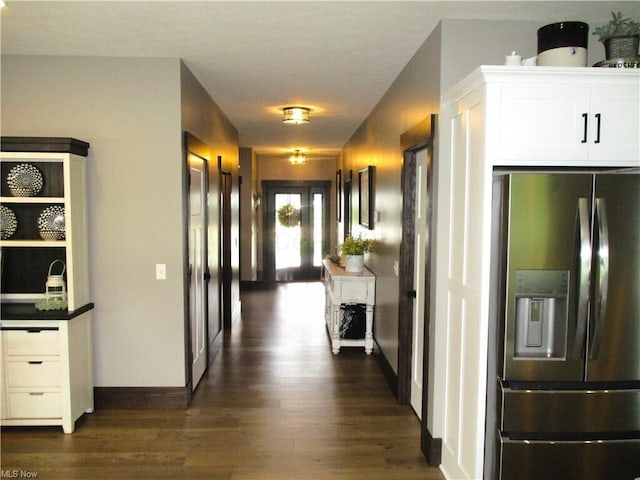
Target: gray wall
[[129, 109], [412, 97], [454, 49], [203, 118], [466, 44]]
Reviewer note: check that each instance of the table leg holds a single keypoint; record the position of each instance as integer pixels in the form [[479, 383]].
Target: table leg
[[368, 334], [335, 331]]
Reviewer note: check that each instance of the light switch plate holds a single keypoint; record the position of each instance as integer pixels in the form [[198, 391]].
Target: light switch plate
[[161, 271]]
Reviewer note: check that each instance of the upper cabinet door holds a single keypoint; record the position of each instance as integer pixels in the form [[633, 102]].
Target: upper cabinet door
[[543, 124], [615, 124], [564, 124]]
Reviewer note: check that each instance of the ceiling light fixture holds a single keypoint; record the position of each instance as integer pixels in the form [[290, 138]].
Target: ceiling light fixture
[[297, 158], [296, 115]]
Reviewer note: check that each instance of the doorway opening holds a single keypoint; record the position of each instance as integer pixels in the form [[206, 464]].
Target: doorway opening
[[224, 255], [296, 229], [196, 274], [415, 272]]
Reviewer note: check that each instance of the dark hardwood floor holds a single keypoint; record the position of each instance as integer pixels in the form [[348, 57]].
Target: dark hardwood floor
[[275, 405]]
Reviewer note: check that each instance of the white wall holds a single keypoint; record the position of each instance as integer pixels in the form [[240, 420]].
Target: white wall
[[129, 111]]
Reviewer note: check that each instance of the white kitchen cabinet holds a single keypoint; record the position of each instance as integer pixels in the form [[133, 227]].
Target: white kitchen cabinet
[[618, 139], [557, 117], [46, 356], [504, 118], [47, 368], [344, 289]]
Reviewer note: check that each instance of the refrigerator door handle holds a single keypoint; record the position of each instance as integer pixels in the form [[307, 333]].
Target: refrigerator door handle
[[602, 279], [584, 272]]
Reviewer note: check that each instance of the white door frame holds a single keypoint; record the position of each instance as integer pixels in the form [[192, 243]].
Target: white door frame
[[421, 237]]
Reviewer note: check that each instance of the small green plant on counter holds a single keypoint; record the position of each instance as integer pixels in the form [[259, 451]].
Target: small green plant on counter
[[618, 26], [51, 304], [356, 246]]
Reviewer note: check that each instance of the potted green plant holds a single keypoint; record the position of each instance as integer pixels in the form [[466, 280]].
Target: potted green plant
[[620, 37], [352, 252]]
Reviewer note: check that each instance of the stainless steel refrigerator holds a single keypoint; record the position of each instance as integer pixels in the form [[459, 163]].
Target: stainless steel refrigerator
[[567, 391]]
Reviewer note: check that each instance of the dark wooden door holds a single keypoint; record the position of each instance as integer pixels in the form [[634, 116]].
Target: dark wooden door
[[225, 248], [296, 226]]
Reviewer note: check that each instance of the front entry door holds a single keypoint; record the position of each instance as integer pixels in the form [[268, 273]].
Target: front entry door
[[296, 226]]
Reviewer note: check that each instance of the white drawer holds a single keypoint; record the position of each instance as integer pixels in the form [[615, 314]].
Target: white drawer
[[35, 405], [33, 373], [32, 342], [353, 291]]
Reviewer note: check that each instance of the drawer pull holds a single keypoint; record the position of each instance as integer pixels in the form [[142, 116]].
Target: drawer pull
[[36, 394], [29, 329], [36, 362]]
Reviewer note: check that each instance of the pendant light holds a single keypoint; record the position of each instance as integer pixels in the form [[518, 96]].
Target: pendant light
[[297, 158]]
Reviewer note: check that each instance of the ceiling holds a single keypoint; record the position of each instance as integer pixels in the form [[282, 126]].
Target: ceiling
[[337, 57]]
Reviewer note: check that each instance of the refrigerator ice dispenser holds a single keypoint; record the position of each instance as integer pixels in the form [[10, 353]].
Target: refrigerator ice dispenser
[[541, 314]]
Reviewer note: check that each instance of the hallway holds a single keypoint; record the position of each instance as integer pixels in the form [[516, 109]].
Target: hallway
[[275, 405]]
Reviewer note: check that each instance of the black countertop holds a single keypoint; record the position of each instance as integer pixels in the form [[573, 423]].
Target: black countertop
[[28, 311]]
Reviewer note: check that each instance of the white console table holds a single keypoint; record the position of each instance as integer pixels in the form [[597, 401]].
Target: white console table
[[342, 288]]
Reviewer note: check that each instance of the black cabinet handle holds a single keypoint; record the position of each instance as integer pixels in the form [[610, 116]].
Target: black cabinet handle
[[33, 362], [597, 128], [29, 330], [411, 294], [585, 118]]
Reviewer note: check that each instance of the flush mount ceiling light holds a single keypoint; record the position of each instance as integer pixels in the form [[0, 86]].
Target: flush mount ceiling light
[[296, 115], [297, 158]]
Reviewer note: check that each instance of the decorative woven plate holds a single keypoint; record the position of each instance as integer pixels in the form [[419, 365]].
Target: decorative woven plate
[[8, 222], [51, 223], [24, 180]]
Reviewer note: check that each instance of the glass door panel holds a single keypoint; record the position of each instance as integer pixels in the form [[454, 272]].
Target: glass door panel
[[318, 230], [288, 253]]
